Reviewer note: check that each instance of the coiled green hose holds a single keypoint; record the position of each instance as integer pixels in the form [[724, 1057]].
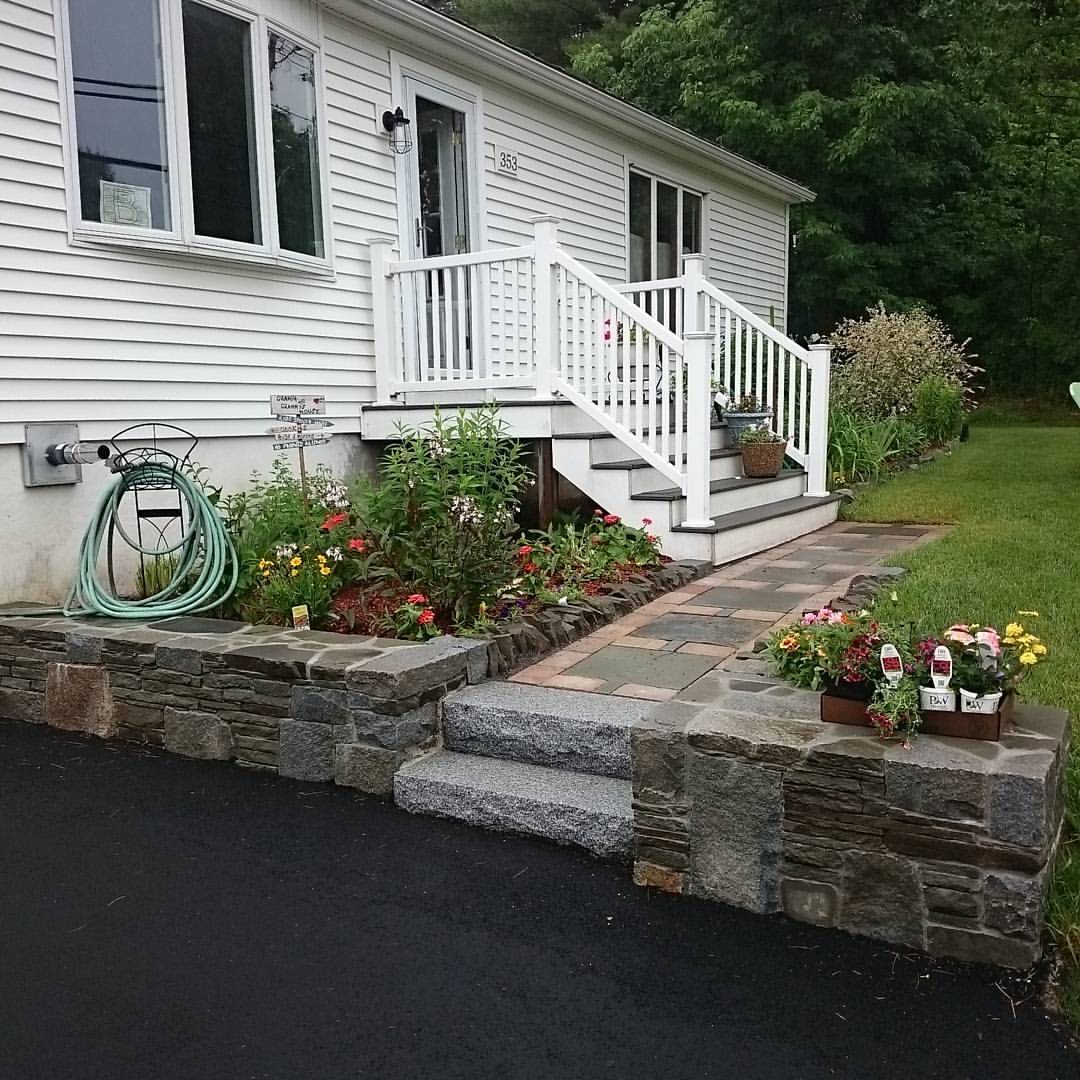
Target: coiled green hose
[[205, 536]]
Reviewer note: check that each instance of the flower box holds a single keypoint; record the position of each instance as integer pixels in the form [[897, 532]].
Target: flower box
[[846, 704]]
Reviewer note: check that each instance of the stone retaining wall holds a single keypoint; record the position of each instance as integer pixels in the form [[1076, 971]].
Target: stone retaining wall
[[945, 847], [309, 705]]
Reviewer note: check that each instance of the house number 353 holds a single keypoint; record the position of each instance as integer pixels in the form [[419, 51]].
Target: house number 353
[[506, 161]]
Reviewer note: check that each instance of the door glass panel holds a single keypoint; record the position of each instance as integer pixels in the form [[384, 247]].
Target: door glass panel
[[691, 224], [640, 228], [120, 112], [444, 187], [221, 129], [442, 228], [667, 231], [296, 151]]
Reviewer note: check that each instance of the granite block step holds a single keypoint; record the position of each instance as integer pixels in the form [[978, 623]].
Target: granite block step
[[538, 725], [592, 812]]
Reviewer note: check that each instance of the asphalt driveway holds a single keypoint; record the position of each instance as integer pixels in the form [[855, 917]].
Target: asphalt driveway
[[165, 918]]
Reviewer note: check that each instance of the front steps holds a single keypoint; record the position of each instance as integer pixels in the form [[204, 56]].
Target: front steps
[[534, 760], [747, 516]]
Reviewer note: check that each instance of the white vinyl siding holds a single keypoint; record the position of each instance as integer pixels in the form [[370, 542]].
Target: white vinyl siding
[[107, 335]]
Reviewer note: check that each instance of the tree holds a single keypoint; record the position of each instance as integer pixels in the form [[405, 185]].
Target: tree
[[542, 27], [941, 136]]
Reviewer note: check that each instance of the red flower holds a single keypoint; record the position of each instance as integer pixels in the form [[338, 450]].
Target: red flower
[[646, 521], [333, 521], [525, 549], [416, 598], [356, 544], [653, 539], [426, 617], [530, 568], [611, 519]]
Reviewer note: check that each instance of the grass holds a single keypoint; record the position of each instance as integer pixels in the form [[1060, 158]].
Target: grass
[[1054, 410], [1014, 494]]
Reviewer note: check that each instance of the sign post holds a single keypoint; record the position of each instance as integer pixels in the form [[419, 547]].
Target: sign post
[[299, 425]]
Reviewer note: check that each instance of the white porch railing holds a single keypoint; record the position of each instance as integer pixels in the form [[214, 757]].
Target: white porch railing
[[642, 360]]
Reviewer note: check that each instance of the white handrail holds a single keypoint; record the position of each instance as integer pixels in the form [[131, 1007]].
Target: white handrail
[[467, 258], [756, 321]]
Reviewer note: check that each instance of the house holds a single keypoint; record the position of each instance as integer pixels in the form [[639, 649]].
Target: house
[[204, 202]]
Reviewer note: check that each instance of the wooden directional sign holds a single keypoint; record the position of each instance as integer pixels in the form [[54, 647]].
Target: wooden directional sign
[[298, 426], [297, 404], [301, 441]]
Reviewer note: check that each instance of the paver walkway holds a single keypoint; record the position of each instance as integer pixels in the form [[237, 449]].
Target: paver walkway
[[663, 648]]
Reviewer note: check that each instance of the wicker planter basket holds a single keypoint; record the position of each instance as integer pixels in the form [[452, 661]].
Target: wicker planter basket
[[763, 459]]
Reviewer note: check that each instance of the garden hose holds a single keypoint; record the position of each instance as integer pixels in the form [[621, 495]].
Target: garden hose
[[183, 595]]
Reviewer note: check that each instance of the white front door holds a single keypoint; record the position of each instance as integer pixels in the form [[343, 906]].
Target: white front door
[[440, 218]]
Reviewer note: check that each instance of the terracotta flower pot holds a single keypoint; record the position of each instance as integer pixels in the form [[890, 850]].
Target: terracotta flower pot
[[763, 459]]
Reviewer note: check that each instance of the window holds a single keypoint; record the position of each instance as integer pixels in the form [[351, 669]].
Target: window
[[665, 222], [226, 103], [296, 146], [119, 92], [221, 124]]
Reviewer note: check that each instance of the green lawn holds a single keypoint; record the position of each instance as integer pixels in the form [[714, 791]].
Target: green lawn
[[1014, 494]]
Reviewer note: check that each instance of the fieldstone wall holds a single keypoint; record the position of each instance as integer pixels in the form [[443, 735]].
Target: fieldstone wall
[[944, 847], [309, 705]]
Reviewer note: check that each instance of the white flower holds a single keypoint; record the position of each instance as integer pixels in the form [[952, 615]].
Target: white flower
[[335, 553], [563, 600]]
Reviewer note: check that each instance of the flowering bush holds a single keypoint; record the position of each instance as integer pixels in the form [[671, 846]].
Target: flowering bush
[[442, 512], [573, 559], [881, 360], [827, 647], [414, 619], [984, 662], [294, 552]]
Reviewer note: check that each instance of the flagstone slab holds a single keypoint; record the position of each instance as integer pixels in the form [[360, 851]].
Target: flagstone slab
[[707, 628], [666, 670], [725, 596]]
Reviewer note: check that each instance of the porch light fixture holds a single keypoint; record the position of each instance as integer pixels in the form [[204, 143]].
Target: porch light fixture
[[397, 126]]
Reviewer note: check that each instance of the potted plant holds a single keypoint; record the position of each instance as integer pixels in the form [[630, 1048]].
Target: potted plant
[[762, 451], [745, 412], [894, 709], [988, 666], [934, 673]]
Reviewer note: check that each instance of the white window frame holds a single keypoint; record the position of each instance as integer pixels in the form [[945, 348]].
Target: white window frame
[[682, 188], [182, 238]]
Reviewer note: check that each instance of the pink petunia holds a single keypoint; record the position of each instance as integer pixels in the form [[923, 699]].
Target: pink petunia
[[959, 633]]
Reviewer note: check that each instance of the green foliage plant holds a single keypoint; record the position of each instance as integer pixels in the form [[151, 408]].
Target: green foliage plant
[[442, 510], [894, 710], [881, 360], [939, 409], [863, 450]]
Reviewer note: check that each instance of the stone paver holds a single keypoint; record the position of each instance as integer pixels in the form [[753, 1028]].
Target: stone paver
[[670, 646]]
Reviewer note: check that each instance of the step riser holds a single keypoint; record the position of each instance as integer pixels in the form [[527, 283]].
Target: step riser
[[604, 450], [558, 742], [723, 468], [726, 547], [594, 813], [728, 502]]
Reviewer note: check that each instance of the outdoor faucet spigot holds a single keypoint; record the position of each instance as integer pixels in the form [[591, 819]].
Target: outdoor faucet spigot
[[77, 453]]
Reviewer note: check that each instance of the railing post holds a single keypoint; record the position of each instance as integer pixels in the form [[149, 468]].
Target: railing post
[[698, 410], [817, 480], [693, 293], [546, 232], [383, 316]]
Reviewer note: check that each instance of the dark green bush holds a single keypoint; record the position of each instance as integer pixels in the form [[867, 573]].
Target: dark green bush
[[863, 450], [939, 408]]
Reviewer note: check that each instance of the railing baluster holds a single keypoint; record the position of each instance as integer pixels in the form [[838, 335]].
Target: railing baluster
[[665, 403], [779, 419], [792, 420], [651, 375], [759, 343], [462, 321], [770, 352], [446, 328], [640, 382]]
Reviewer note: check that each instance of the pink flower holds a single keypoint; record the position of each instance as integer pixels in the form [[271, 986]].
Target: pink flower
[[525, 549], [426, 617], [809, 618], [598, 512], [416, 598], [836, 616], [646, 521], [991, 639], [356, 544], [611, 519], [959, 634]]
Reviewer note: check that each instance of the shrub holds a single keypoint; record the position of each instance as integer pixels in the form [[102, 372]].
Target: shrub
[[882, 359], [862, 450], [563, 562], [442, 512], [294, 552], [939, 408]]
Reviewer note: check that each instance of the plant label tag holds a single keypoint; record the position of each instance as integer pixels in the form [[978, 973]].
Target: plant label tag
[[301, 617], [892, 666], [941, 668]]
